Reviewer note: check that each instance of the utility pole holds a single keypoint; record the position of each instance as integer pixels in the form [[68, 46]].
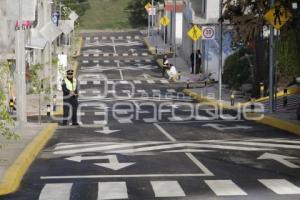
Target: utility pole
[[152, 22], [220, 51], [271, 65], [21, 72], [174, 36]]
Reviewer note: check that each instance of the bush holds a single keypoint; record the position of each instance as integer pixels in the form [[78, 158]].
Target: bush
[[237, 69]]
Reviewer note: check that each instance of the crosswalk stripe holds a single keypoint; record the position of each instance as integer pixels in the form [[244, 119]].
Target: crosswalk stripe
[[164, 81], [96, 61], [150, 81], [124, 82], [112, 190], [106, 61], [155, 91], [56, 191], [141, 91], [137, 82], [224, 188], [125, 121], [104, 38], [167, 189], [85, 61], [96, 38], [87, 38], [280, 186], [82, 82], [171, 91], [85, 55]]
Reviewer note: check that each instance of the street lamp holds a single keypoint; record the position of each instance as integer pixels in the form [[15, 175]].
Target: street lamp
[[295, 5]]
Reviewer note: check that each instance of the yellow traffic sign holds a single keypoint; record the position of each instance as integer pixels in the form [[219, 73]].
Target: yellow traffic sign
[[148, 6], [195, 33], [164, 21], [278, 16]]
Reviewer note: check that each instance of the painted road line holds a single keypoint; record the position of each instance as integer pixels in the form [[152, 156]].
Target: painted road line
[[148, 60], [120, 37], [125, 54], [144, 54], [167, 189], [176, 119], [96, 92], [121, 176], [104, 122], [275, 140], [141, 91], [112, 190], [95, 61], [225, 188], [82, 82], [150, 81], [155, 91], [125, 121], [96, 38], [110, 82], [137, 37], [121, 75], [171, 91], [101, 148], [106, 54], [164, 81], [96, 82], [96, 55], [104, 38], [85, 55], [150, 120], [280, 186], [128, 37], [285, 146], [112, 38], [137, 61], [85, 61], [55, 191], [137, 82], [106, 61], [188, 151], [135, 54], [100, 113], [124, 82], [87, 38], [127, 61]]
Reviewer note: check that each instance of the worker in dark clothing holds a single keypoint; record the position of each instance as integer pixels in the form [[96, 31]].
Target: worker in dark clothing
[[70, 93], [198, 61], [192, 56]]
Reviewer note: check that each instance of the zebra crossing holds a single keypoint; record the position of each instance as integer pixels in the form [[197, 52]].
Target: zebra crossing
[[109, 190], [93, 55], [127, 37], [126, 61]]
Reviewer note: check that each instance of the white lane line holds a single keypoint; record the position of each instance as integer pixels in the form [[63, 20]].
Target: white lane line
[[104, 148], [85, 55], [285, 146], [96, 55], [100, 113], [121, 75], [280, 186], [121, 176], [175, 119], [104, 122], [137, 82], [125, 121], [167, 189], [96, 82], [112, 38], [144, 54], [225, 188], [128, 37], [85, 61], [80, 114], [150, 120], [55, 191], [112, 190], [106, 61], [96, 38], [104, 38], [96, 61], [189, 155], [120, 37], [135, 54], [106, 54], [136, 37], [125, 54], [114, 45], [87, 38], [150, 81], [275, 140], [96, 92], [110, 82], [127, 61]]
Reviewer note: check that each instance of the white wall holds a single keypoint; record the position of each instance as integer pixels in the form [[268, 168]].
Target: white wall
[[179, 19]]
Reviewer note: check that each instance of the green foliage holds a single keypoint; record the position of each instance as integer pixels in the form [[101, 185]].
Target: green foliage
[[36, 81], [237, 69], [137, 13], [79, 6], [6, 121]]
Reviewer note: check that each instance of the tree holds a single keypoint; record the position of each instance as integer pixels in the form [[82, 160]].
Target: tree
[[247, 17], [137, 14], [79, 6]]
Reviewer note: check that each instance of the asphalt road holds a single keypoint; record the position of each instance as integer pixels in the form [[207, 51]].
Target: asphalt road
[[141, 138]]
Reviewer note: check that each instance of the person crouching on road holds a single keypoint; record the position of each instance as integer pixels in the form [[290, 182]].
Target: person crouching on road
[[70, 93], [172, 72]]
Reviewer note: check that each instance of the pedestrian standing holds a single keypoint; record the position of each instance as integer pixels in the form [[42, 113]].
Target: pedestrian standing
[[70, 98], [198, 61], [192, 62], [165, 65]]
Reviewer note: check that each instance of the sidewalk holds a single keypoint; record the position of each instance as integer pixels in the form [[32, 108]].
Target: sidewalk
[[17, 156], [285, 119]]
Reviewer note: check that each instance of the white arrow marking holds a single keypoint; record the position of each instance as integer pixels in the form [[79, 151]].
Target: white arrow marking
[[106, 130], [221, 127], [113, 163], [279, 158]]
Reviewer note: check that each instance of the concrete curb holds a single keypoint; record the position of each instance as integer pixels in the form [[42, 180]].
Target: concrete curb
[[14, 174], [267, 120], [150, 48]]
